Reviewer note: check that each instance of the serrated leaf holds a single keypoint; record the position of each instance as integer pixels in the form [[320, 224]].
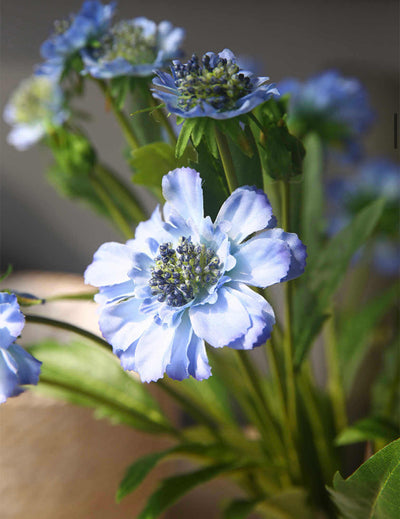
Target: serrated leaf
[[90, 375], [172, 489], [324, 274], [372, 492], [369, 429], [352, 341]]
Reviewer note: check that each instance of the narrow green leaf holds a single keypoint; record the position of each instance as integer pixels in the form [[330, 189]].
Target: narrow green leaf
[[353, 338], [8, 271], [198, 130], [184, 136], [324, 274], [369, 429], [172, 489], [372, 492]]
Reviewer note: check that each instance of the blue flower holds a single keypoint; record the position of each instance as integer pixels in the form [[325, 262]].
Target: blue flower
[[72, 35], [17, 367], [183, 281], [34, 107], [375, 178], [215, 87], [334, 106], [134, 48]]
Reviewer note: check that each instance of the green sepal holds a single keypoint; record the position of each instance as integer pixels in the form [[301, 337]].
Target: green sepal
[[119, 88], [184, 136]]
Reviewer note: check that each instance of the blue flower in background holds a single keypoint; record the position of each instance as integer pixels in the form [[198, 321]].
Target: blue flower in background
[[183, 281], [70, 36], [335, 107], [214, 87], [17, 366], [375, 178], [34, 107], [134, 48]]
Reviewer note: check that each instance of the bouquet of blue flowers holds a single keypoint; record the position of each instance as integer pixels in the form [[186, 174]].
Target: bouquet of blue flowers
[[236, 167]]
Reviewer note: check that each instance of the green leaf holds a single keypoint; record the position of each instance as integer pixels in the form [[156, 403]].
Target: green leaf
[[184, 136], [7, 272], [239, 509], [369, 429], [289, 504], [153, 161], [355, 331], [172, 489], [324, 274], [372, 492], [89, 375]]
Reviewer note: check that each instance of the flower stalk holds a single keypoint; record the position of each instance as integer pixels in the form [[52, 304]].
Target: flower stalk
[[226, 157]]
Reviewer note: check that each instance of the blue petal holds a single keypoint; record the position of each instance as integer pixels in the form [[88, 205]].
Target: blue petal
[[182, 189], [222, 322], [11, 319], [111, 264], [8, 376], [17, 367], [198, 361], [28, 368], [23, 136], [261, 315], [178, 367], [248, 210], [298, 251], [261, 261], [115, 292], [170, 38]]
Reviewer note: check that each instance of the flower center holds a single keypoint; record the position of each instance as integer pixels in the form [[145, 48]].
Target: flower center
[[61, 26], [220, 84], [127, 40], [31, 100], [179, 274]]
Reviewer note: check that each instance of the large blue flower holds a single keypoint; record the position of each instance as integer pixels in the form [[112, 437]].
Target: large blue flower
[[183, 281], [17, 367], [375, 178], [34, 107], [214, 87], [334, 106], [134, 48], [72, 35]]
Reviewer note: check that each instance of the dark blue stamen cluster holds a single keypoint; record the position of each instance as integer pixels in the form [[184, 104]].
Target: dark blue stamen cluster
[[179, 274], [219, 82], [127, 40]]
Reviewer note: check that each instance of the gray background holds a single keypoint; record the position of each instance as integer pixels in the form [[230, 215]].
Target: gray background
[[40, 230]]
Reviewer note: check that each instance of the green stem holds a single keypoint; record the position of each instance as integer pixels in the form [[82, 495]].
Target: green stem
[[227, 161], [116, 215], [164, 120], [335, 386], [288, 338], [123, 121], [124, 194], [55, 323]]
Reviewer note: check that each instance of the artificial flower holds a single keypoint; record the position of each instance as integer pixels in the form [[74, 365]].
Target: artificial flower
[[17, 366], [214, 87], [183, 280]]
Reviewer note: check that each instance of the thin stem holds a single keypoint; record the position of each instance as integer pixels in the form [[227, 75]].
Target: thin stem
[[123, 121], [124, 194], [288, 338], [55, 323], [227, 161], [113, 210]]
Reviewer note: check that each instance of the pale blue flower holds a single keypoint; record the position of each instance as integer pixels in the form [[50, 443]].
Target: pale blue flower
[[17, 366], [183, 280], [214, 87], [34, 107], [375, 178], [70, 36], [134, 48], [334, 106]]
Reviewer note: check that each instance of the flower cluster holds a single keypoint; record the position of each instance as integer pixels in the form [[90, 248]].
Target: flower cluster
[[35, 107], [134, 48], [214, 86], [376, 178], [335, 107], [184, 280], [17, 367]]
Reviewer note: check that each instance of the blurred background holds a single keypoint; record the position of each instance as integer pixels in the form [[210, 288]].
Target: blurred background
[[39, 230]]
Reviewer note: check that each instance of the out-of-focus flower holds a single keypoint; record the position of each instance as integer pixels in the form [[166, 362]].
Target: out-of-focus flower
[[34, 107], [17, 366], [335, 107], [184, 280], [375, 178], [72, 35], [134, 48], [214, 87]]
